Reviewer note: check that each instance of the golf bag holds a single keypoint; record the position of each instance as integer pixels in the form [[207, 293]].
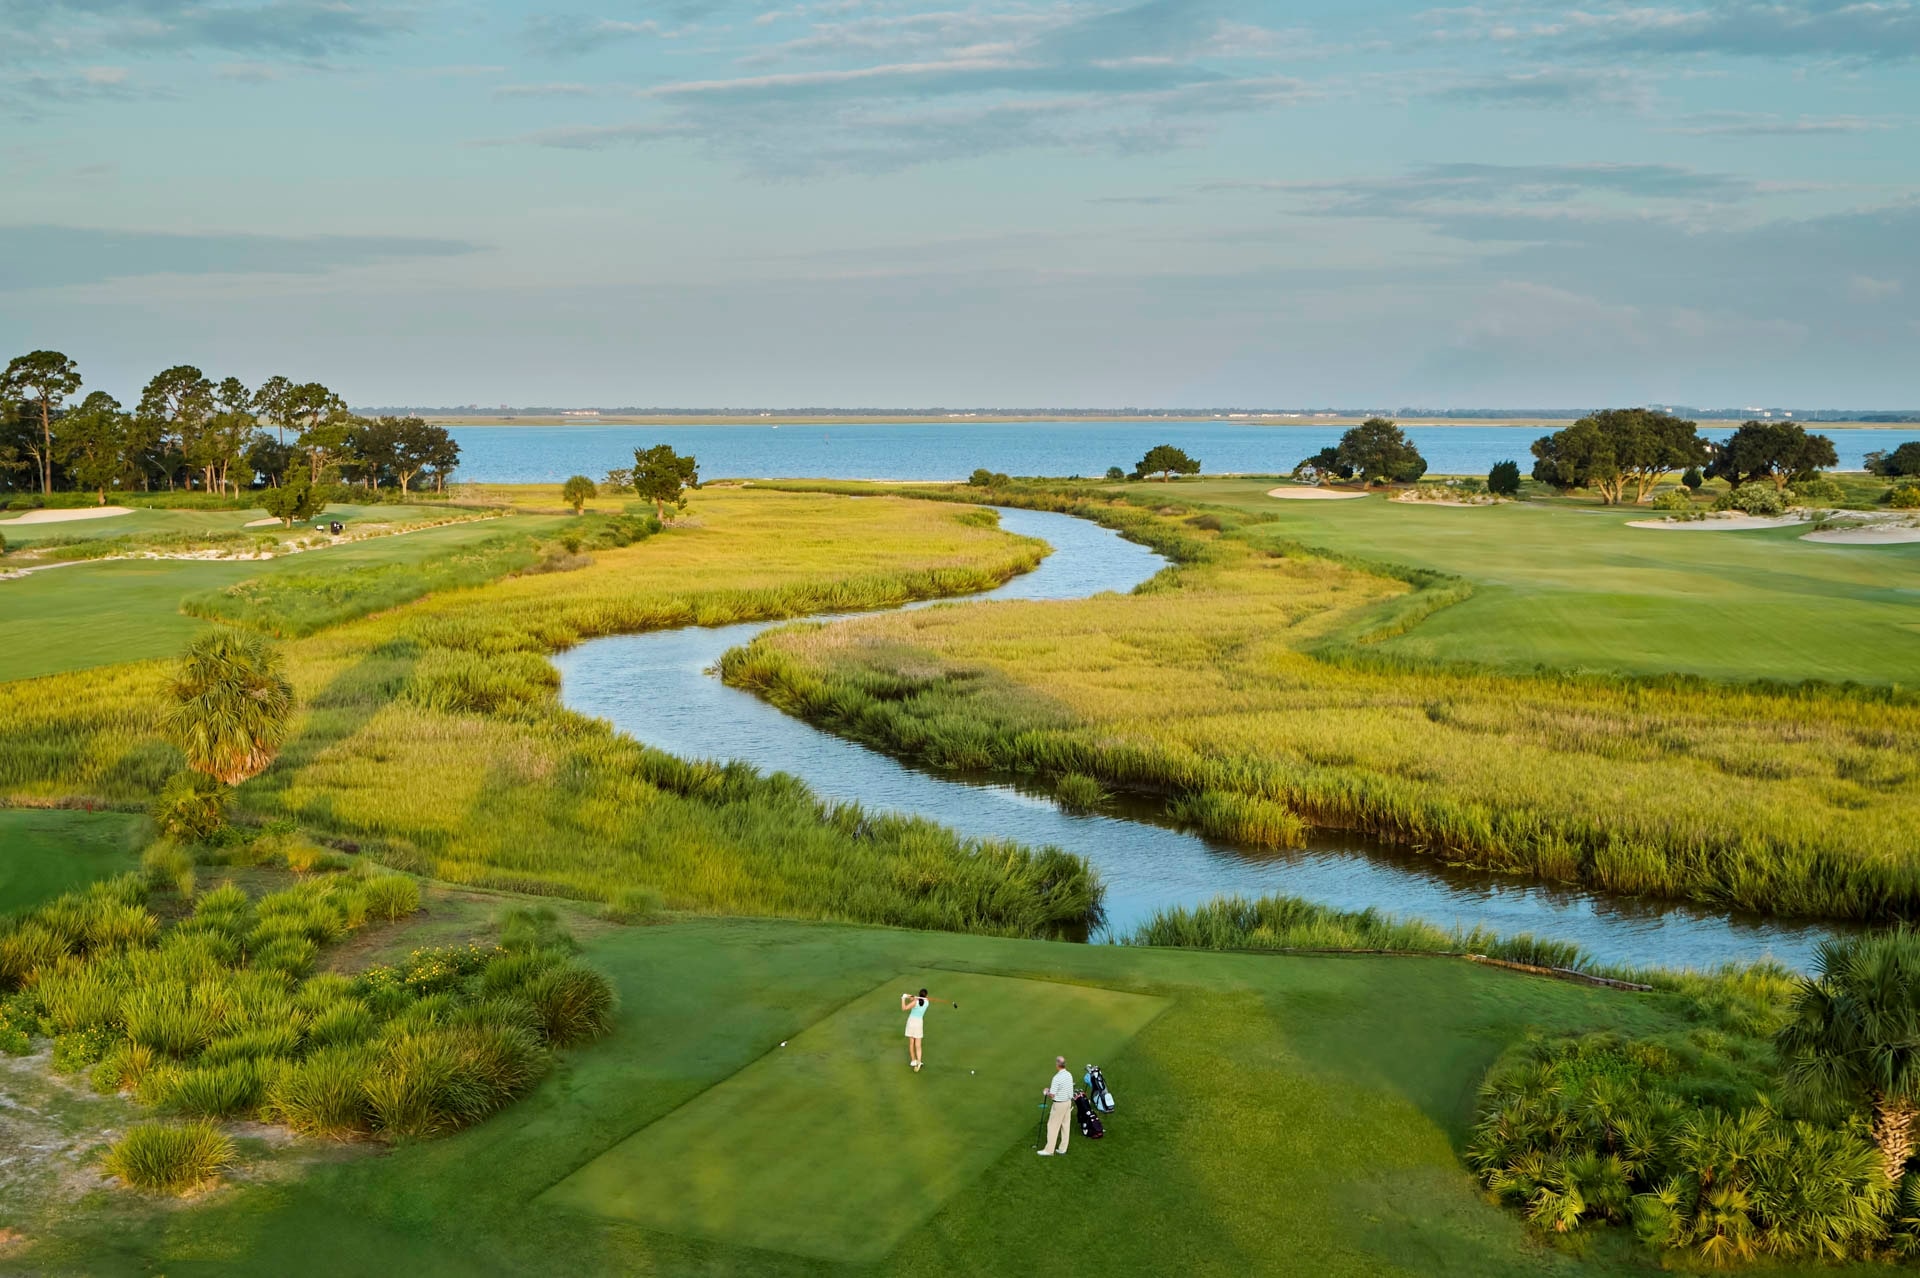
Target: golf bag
[[1090, 1125], [1097, 1092]]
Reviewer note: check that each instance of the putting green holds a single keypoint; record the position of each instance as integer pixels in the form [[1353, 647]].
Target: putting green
[[44, 852], [831, 1146]]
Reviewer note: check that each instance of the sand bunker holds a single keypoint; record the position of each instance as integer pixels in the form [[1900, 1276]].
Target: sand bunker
[[269, 522], [1310, 494], [68, 516], [1726, 521], [1866, 535]]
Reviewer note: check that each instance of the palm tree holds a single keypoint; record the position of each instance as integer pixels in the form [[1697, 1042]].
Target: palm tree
[[231, 705], [1854, 1037]]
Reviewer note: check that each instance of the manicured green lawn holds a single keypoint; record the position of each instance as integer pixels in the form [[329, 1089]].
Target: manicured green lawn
[[44, 852], [875, 1148], [1573, 587], [1295, 1115], [100, 613]]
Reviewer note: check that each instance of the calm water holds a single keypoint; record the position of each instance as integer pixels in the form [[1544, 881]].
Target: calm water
[[548, 454], [687, 711]]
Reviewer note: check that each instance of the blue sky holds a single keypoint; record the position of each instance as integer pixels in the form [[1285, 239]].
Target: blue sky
[[870, 202]]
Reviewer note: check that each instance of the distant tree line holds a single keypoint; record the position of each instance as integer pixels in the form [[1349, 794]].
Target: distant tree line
[[188, 432]]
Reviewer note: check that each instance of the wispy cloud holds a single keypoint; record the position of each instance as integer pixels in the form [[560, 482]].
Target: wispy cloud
[[1759, 124], [1567, 88], [572, 35], [1794, 30], [1438, 187], [878, 91], [51, 256]]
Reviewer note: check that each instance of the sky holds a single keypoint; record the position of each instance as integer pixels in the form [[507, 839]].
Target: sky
[[934, 202]]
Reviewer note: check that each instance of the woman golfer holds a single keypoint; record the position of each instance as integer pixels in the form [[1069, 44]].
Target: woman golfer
[[915, 1006]]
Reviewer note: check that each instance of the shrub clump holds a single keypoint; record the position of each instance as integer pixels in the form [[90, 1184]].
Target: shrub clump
[[1754, 498], [1675, 1139], [170, 1159], [191, 806], [220, 1014]]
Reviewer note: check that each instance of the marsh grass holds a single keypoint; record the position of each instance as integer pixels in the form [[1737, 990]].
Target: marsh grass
[[1290, 923], [293, 605], [1249, 681], [1078, 792], [430, 735]]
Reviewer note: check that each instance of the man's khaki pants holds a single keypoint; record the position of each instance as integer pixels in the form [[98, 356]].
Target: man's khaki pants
[[1059, 1123]]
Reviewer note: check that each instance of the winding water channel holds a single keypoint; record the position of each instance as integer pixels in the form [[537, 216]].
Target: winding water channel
[[658, 688]]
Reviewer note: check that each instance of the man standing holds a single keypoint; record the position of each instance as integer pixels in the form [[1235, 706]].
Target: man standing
[[1060, 1121]]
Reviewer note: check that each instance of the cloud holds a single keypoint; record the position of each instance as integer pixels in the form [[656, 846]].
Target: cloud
[[1755, 124], [1516, 191], [54, 256], [1792, 30], [299, 29], [33, 96], [1571, 88], [1869, 289], [875, 92], [572, 35]]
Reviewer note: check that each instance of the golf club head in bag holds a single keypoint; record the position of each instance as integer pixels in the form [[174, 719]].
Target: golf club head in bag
[[1096, 1085]]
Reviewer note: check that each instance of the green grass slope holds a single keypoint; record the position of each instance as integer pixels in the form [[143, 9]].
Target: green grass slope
[[44, 852], [1573, 587], [1290, 1115]]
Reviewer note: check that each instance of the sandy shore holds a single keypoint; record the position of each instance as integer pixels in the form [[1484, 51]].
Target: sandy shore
[[1311, 494], [68, 516], [1867, 535], [1725, 521]]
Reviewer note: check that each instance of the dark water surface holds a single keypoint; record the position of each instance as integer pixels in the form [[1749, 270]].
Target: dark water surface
[[933, 450], [656, 688]]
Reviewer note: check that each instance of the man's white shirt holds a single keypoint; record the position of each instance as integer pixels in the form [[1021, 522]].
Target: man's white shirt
[[1062, 1089]]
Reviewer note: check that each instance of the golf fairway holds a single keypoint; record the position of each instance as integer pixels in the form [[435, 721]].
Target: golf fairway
[[831, 1146]]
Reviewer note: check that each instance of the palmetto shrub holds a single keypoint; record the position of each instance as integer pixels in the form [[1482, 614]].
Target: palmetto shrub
[[170, 1158], [1674, 1138]]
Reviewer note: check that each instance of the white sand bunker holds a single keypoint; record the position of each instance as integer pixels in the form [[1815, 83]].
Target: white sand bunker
[[68, 516], [271, 521], [1311, 494], [1866, 535], [1723, 521]]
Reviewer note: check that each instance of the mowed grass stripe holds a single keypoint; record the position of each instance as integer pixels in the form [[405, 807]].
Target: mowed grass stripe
[[832, 1147]]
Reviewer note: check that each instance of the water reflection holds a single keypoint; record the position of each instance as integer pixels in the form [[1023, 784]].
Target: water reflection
[[657, 688]]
